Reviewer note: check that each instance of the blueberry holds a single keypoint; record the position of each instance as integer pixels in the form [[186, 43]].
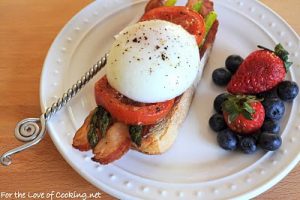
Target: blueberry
[[227, 139], [274, 108], [248, 144], [221, 76], [270, 141], [256, 136], [219, 101], [268, 94], [287, 90], [233, 62], [270, 126], [217, 122]]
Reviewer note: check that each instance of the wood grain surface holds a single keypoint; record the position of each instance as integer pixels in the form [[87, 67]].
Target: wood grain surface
[[27, 30]]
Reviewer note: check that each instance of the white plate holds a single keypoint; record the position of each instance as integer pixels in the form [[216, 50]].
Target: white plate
[[195, 167]]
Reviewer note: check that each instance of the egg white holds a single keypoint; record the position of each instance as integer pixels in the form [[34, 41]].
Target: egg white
[[153, 61]]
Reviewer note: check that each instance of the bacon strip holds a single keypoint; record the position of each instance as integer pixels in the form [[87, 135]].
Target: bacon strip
[[80, 140], [154, 4], [114, 145], [206, 8], [210, 38]]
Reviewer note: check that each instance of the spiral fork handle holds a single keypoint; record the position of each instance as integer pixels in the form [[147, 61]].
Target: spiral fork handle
[[6, 157], [32, 130]]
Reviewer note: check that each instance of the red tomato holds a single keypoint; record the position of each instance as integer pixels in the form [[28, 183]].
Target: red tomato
[[191, 21], [126, 110]]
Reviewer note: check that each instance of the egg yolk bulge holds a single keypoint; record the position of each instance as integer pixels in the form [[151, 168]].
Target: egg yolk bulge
[[153, 61]]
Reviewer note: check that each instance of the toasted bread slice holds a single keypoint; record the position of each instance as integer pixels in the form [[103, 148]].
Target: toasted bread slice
[[161, 136]]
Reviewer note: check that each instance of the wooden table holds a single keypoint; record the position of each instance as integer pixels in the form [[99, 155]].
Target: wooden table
[[27, 30]]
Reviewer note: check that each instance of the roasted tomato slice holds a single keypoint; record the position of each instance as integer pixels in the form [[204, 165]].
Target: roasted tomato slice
[[126, 110], [191, 21]]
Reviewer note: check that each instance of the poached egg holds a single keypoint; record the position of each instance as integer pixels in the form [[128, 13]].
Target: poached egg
[[153, 61]]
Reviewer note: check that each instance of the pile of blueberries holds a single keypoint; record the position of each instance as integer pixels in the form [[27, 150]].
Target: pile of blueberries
[[268, 138]]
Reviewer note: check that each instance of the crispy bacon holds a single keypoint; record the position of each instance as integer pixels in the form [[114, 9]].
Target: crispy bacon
[[154, 4], [80, 140], [207, 6], [210, 38], [114, 145]]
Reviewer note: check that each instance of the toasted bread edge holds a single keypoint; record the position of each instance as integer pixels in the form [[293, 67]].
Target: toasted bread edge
[[161, 138]]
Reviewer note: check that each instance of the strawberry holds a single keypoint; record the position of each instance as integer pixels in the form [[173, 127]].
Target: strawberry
[[243, 114], [262, 70]]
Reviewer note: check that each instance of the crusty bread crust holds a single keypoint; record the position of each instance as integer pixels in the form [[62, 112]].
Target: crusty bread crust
[[161, 137]]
